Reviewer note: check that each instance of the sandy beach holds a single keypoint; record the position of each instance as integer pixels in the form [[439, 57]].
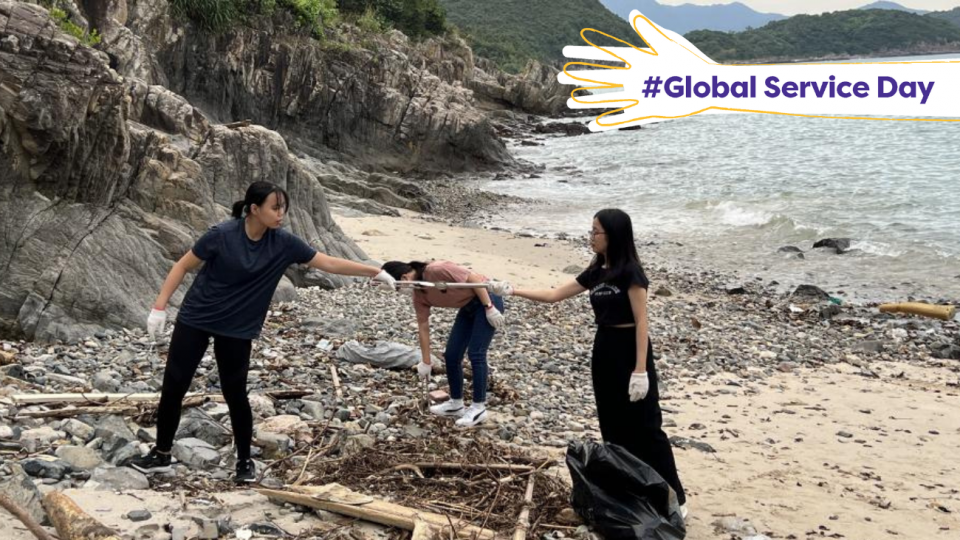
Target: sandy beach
[[802, 427], [824, 452]]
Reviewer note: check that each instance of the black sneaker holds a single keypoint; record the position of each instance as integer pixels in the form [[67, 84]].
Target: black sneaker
[[246, 472], [154, 462]]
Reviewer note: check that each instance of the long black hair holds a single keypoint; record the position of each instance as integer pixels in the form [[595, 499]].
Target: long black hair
[[621, 256], [399, 268], [258, 192]]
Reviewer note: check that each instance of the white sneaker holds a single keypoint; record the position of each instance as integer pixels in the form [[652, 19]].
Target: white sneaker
[[474, 415], [683, 511], [453, 407]]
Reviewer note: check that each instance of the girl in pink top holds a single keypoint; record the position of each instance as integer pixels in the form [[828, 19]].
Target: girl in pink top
[[480, 315]]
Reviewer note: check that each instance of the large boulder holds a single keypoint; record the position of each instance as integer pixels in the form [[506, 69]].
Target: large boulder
[[105, 182]]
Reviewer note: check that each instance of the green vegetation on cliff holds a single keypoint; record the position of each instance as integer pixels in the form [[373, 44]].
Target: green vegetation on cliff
[[842, 33], [416, 18], [511, 33]]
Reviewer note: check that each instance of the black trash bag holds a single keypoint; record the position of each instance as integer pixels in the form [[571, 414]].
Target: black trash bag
[[621, 497]]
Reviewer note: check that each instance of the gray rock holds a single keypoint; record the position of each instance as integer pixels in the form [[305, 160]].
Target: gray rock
[[830, 311], [573, 269], [810, 293], [20, 489], [147, 435], [46, 468], [684, 442], [274, 445], [139, 515], [129, 450], [43, 435], [209, 530], [105, 382], [114, 428], [285, 291], [111, 443], [356, 444], [199, 426], [839, 245], [79, 457], [118, 479], [313, 409], [735, 289], [196, 453], [78, 429]]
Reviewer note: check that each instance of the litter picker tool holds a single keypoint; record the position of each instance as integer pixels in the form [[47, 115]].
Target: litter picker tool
[[442, 285]]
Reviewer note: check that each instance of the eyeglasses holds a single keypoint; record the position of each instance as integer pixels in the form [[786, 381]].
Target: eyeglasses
[[591, 234]]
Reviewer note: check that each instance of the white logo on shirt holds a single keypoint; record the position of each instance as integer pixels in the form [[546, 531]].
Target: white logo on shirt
[[604, 289]]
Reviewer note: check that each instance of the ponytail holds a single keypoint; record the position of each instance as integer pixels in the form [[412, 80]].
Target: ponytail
[[238, 209], [258, 192]]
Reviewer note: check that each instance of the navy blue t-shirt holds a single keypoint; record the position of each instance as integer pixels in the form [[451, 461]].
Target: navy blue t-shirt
[[231, 294]]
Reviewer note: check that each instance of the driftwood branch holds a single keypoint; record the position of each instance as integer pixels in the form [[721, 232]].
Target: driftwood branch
[[336, 382], [71, 522], [7, 504]]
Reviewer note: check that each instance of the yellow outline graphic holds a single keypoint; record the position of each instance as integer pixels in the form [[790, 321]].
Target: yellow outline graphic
[[653, 52]]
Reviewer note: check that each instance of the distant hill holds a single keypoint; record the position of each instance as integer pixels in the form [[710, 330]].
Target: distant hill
[[842, 33], [952, 16], [684, 18], [511, 32], [894, 6]]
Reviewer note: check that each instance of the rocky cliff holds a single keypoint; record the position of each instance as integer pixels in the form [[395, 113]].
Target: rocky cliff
[[114, 160]]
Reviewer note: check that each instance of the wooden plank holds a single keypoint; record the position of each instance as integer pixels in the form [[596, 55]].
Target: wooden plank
[[98, 397], [523, 522], [70, 412], [338, 499]]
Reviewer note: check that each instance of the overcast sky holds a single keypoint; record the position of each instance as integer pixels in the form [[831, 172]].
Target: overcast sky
[[792, 7]]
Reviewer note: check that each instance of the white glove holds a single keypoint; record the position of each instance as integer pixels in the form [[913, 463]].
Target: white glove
[[424, 370], [155, 323], [494, 317], [501, 288], [385, 281], [639, 386]]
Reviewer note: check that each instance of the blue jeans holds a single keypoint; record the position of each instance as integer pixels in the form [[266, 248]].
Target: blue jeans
[[471, 333]]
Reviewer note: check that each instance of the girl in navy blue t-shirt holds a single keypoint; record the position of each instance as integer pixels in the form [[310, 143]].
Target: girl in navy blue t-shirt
[[243, 260]]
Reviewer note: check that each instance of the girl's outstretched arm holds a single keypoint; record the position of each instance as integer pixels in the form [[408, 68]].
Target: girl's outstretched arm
[[551, 296]]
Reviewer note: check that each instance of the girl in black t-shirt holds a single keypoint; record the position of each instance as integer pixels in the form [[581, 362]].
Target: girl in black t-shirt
[[624, 375]]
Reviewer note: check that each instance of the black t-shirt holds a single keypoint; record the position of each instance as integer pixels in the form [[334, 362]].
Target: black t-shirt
[[231, 294], [611, 304]]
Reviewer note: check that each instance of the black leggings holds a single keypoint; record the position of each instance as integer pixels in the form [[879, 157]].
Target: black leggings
[[187, 347], [634, 425]]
